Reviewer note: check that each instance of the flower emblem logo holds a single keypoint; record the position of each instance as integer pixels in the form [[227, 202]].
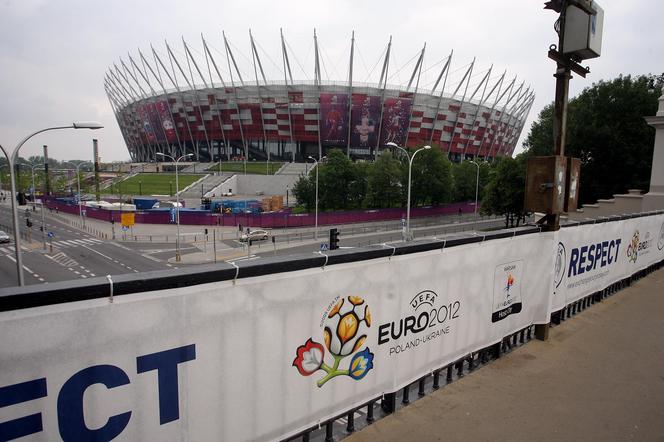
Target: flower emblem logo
[[344, 333], [632, 249], [510, 283]]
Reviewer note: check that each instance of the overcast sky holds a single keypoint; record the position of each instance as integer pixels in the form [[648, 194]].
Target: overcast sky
[[54, 54]]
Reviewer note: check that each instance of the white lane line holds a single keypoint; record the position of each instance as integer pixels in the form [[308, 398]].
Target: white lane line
[[146, 255], [41, 279], [99, 253], [26, 269], [77, 272], [92, 274]]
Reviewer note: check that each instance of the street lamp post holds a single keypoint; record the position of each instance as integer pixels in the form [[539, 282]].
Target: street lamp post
[[78, 182], [177, 200], [477, 188], [11, 158], [410, 171], [316, 163]]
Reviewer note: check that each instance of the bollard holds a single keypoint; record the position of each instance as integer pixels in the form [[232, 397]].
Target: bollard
[[460, 369], [420, 390], [449, 373], [542, 332], [370, 412], [351, 422], [388, 403], [406, 391], [328, 431], [497, 347], [436, 379]]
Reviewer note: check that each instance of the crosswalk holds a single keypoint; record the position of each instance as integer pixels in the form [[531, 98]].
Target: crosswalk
[[76, 242], [8, 250]]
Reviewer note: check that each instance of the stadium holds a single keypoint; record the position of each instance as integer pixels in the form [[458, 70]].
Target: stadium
[[191, 101]]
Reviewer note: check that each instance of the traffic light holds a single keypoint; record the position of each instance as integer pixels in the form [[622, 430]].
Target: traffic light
[[334, 239]]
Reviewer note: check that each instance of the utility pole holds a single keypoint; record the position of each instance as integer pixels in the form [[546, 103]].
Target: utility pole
[[579, 28]]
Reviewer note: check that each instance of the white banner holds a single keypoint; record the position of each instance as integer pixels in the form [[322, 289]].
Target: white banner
[[591, 257], [270, 356]]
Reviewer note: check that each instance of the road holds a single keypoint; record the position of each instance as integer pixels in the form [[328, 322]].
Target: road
[[74, 254], [77, 254]]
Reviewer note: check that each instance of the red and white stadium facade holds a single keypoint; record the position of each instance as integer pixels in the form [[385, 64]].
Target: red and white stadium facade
[[183, 105]]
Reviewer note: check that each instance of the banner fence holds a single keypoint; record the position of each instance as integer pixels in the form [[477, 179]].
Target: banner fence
[[270, 354]]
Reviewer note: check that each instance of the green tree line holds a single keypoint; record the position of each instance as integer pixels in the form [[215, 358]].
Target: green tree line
[[345, 185]]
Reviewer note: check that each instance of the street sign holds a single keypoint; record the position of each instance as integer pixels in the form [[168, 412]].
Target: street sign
[[324, 247], [403, 222], [51, 234], [127, 219]]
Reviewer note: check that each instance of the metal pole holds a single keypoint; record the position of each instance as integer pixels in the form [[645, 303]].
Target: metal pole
[[410, 168], [477, 187], [316, 231], [17, 236], [177, 212], [78, 180], [43, 230]]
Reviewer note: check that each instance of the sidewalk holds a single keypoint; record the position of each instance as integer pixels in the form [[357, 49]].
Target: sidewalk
[[600, 376]]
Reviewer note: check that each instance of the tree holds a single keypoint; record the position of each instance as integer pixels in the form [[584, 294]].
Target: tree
[[432, 181], [606, 130], [384, 182], [504, 193], [339, 183], [465, 180], [304, 191]]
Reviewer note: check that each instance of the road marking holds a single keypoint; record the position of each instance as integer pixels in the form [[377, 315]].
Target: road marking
[[24, 267], [92, 274], [99, 253], [147, 256]]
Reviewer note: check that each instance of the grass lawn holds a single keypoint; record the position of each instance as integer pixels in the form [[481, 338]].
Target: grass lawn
[[253, 167], [151, 184]]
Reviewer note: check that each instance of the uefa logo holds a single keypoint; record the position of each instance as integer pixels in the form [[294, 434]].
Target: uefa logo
[[559, 267]]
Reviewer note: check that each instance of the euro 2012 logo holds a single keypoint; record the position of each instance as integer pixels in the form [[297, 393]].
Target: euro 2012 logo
[[345, 333]]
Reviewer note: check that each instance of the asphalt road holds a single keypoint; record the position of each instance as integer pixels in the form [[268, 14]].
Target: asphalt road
[[74, 254]]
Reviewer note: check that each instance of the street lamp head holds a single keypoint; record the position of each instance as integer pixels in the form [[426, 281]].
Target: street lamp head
[[391, 144], [87, 125], [311, 158], [161, 153], [427, 147]]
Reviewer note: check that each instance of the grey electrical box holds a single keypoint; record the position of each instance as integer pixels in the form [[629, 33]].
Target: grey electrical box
[[583, 32]]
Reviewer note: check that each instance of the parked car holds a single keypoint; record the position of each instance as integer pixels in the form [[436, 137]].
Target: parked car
[[4, 237], [254, 235]]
